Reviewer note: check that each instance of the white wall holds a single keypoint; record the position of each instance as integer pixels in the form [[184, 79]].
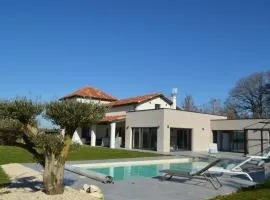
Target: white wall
[[120, 110], [151, 104], [76, 138], [125, 108], [84, 100]]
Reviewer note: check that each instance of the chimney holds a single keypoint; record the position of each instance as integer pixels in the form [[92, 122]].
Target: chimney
[[173, 98]]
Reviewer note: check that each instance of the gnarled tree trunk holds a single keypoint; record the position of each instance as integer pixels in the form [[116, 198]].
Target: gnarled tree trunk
[[53, 175]]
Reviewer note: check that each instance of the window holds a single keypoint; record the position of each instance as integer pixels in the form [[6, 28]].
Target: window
[[144, 138], [157, 106]]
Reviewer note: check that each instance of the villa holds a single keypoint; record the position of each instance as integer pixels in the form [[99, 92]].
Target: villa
[[155, 122]]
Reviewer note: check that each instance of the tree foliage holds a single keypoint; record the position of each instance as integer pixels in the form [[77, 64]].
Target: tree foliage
[[49, 143], [248, 95], [188, 103], [18, 123], [267, 93], [71, 114], [22, 109], [213, 106], [230, 111]]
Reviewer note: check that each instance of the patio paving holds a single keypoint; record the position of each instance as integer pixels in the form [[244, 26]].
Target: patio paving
[[154, 189]]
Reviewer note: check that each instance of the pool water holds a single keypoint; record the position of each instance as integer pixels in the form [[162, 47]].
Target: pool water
[[131, 172]]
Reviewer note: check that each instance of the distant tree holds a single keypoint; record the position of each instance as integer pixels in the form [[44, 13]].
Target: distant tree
[[17, 119], [267, 93], [230, 111], [214, 106], [188, 103], [248, 95]]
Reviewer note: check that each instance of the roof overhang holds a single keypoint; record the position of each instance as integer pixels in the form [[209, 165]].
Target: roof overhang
[[113, 118]]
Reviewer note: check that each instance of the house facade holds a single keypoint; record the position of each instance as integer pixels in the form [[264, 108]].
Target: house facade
[[154, 122]]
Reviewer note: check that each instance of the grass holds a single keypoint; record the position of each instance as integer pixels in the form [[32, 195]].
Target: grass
[[10, 154], [98, 153], [4, 179], [260, 192]]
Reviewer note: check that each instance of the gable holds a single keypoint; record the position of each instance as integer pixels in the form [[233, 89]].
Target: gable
[[150, 104]]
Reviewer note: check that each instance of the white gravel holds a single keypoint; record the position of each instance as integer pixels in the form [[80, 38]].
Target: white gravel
[[26, 186]]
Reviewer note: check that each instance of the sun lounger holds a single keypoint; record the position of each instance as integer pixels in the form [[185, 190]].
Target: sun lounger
[[201, 174], [236, 169]]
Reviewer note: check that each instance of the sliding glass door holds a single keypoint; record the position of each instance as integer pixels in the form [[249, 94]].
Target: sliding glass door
[[144, 138], [231, 141], [180, 139]]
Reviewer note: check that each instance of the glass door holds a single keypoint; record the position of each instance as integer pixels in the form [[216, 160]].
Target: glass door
[[136, 138], [180, 139], [144, 138]]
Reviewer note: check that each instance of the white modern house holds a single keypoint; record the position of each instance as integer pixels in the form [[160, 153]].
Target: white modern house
[[154, 122]]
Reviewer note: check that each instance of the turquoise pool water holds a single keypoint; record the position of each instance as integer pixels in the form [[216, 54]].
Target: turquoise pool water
[[131, 172]]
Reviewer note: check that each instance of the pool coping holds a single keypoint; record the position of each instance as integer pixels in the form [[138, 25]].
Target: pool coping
[[126, 159], [118, 162]]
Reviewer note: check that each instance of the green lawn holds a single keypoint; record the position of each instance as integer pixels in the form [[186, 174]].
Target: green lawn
[[260, 192], [98, 153], [9, 154], [4, 180]]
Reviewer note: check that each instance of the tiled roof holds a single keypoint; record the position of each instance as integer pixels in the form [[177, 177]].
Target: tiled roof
[[90, 92], [135, 100], [113, 118]]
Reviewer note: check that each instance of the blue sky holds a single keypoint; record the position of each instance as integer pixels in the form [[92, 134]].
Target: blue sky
[[128, 48]]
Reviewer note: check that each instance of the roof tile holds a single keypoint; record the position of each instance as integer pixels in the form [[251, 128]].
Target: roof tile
[[90, 92], [113, 118], [134, 100]]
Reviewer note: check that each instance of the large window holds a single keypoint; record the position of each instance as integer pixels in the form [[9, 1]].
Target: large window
[[180, 139], [232, 141], [144, 138]]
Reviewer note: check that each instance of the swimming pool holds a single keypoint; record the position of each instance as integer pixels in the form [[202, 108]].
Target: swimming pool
[[134, 171]]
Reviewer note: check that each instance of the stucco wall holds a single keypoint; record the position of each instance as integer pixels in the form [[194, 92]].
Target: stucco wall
[[151, 104], [120, 110], [165, 119], [199, 123], [150, 118], [83, 100], [236, 124], [253, 136]]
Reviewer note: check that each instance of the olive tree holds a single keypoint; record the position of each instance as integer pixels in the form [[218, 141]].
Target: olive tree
[[51, 150], [68, 114], [17, 123]]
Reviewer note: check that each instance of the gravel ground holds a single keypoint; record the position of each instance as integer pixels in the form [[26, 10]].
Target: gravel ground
[[27, 185], [24, 194]]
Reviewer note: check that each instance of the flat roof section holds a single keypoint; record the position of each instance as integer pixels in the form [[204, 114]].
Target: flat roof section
[[240, 124]]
